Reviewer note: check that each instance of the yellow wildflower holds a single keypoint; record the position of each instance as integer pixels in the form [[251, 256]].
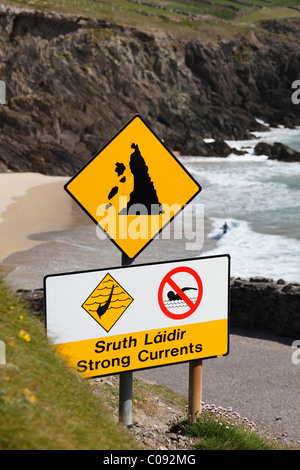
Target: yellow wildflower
[[29, 395], [24, 336]]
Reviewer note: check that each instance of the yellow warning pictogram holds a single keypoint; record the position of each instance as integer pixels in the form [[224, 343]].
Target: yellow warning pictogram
[[133, 187], [107, 302]]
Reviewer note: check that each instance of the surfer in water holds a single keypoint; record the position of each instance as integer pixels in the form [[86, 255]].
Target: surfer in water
[[225, 228]]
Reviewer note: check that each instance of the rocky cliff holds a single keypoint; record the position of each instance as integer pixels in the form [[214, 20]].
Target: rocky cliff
[[73, 82]]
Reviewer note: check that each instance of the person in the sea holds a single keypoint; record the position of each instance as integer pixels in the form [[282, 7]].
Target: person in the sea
[[225, 227]]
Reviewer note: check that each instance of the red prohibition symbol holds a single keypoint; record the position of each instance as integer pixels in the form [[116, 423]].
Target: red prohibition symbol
[[168, 280]]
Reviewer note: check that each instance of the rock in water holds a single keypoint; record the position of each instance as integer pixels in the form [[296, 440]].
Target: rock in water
[[277, 151]]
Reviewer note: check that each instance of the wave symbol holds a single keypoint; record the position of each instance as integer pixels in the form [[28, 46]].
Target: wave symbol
[[107, 302], [177, 303]]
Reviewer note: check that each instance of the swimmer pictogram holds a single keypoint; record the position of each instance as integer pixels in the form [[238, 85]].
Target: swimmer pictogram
[[176, 303]]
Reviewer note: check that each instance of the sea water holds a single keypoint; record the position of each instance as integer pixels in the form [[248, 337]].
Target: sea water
[[257, 197]]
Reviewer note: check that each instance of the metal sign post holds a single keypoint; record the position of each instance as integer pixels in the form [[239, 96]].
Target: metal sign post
[[125, 398], [125, 381]]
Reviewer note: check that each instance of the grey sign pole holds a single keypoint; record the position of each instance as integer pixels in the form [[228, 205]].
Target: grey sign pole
[[125, 383]]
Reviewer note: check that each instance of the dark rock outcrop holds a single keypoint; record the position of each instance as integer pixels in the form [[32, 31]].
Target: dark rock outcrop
[[73, 82], [277, 151], [218, 148]]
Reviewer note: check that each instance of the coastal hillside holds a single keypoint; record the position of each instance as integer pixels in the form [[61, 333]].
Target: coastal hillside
[[74, 76]]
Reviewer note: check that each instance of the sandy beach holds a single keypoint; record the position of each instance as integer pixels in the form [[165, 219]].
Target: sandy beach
[[43, 231], [32, 203]]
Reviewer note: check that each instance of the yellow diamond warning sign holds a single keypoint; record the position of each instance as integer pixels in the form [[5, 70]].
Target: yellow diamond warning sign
[[133, 187], [107, 302]]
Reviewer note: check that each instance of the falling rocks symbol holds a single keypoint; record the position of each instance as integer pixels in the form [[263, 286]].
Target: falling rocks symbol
[[144, 193]]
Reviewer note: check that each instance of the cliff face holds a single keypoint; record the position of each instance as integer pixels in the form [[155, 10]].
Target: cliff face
[[73, 82]]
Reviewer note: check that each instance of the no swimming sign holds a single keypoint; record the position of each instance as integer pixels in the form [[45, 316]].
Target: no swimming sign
[[114, 320]]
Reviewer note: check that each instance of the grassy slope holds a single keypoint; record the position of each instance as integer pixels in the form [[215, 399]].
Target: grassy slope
[[43, 405], [221, 17]]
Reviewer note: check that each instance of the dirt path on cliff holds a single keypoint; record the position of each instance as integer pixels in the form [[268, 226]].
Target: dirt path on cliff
[[257, 379]]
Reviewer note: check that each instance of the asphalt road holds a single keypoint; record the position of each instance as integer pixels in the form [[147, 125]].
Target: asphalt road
[[257, 379]]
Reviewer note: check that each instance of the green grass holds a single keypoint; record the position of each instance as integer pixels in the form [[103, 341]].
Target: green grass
[[269, 14], [174, 16], [220, 429], [212, 436], [43, 404]]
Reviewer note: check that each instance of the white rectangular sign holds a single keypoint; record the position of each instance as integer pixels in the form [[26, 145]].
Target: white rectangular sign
[[111, 320]]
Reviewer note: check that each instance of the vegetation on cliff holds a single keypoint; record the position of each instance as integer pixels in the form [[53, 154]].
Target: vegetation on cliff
[[176, 16]]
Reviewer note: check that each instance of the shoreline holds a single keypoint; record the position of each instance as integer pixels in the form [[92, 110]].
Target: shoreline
[[35, 216], [39, 222], [32, 203]]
